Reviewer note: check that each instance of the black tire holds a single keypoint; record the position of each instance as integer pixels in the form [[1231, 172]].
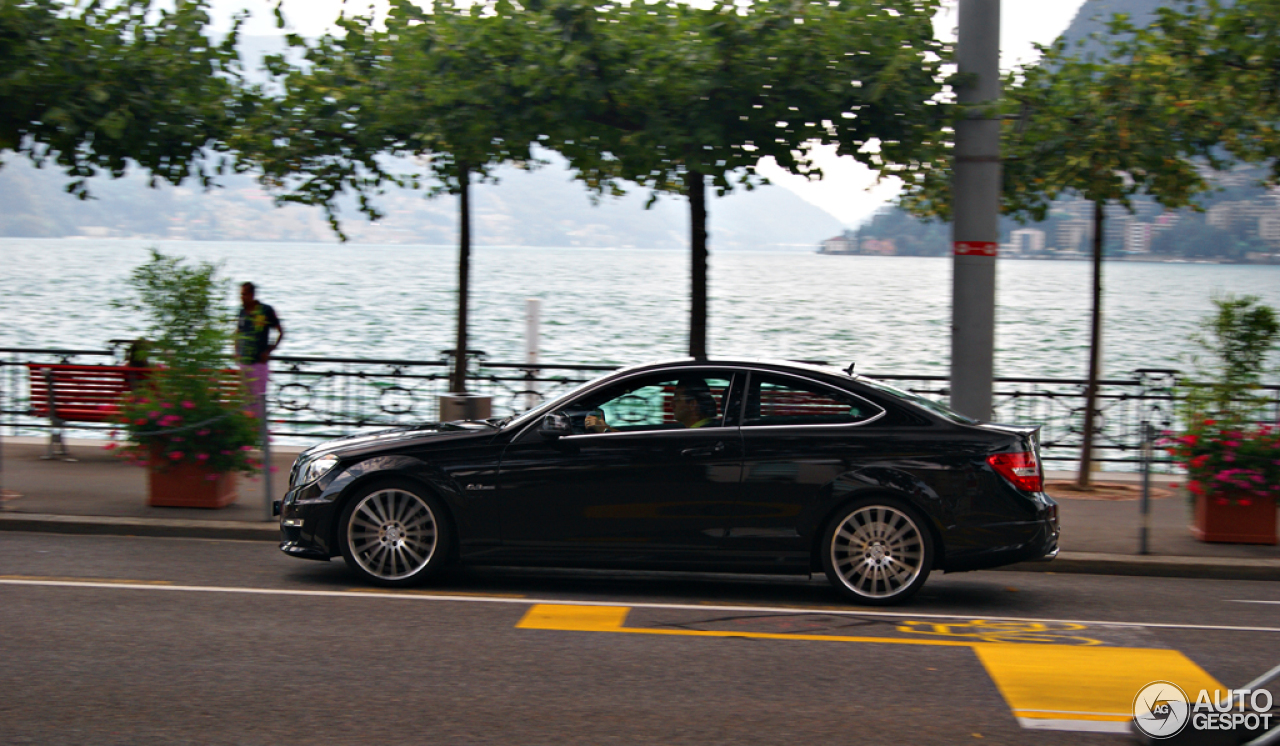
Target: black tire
[[395, 534], [877, 551]]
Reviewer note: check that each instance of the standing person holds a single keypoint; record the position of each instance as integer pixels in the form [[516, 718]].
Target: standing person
[[253, 342]]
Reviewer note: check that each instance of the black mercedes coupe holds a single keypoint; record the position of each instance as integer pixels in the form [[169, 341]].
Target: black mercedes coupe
[[722, 465]]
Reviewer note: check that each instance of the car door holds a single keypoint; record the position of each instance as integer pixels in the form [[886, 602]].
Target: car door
[[631, 484], [799, 436]]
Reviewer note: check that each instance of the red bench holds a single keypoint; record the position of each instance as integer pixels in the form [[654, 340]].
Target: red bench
[[78, 393]]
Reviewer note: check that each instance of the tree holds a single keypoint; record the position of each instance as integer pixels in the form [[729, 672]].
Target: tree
[[677, 98], [458, 88], [1222, 58], [97, 89], [1103, 129]]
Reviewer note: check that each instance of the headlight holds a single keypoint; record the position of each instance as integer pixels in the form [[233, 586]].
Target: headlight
[[316, 468]]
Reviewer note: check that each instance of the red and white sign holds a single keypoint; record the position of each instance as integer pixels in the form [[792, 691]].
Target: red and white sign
[[976, 248]]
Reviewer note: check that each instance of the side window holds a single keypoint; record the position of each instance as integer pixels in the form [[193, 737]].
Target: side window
[[654, 403], [776, 400]]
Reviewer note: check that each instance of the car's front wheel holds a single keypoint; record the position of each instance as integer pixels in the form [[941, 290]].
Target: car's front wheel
[[394, 534], [877, 551]]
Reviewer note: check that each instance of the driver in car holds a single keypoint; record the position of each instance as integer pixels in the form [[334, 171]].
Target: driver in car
[[692, 403]]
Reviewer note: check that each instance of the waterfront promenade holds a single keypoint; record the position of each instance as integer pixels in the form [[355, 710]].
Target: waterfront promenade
[[98, 493]]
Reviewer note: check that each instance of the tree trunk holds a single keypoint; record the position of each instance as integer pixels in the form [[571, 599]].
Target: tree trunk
[[1095, 352], [698, 268], [458, 376]]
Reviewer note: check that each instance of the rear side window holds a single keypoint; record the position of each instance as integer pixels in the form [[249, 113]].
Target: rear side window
[[779, 400]]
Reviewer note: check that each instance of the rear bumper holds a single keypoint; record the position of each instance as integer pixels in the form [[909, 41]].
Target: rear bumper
[[1031, 541]]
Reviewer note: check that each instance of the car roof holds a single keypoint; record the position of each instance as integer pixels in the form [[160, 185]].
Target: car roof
[[770, 363]]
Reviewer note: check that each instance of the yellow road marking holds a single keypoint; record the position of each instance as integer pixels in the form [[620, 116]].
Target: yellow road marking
[[610, 619], [1072, 683], [1071, 687], [60, 579]]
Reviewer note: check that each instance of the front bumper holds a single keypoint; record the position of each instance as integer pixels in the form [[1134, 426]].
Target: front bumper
[[304, 524]]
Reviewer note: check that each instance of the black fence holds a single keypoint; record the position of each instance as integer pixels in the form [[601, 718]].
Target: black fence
[[313, 398]]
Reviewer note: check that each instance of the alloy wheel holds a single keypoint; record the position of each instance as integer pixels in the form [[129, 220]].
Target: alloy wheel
[[878, 552], [392, 534]]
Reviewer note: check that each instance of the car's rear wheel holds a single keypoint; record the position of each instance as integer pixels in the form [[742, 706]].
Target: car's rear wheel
[[394, 534], [877, 551]]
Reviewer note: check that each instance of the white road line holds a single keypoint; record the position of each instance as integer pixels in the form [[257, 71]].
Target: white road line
[[1250, 601], [375, 594]]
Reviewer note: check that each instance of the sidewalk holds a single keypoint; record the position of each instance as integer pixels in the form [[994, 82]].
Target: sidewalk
[[98, 493]]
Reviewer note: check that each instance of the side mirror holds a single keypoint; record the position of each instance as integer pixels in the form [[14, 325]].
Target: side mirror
[[555, 425]]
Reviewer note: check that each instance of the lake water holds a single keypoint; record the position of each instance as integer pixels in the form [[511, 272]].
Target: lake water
[[889, 314]]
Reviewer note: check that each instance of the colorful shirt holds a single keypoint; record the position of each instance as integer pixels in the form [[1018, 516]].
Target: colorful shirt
[[253, 330]]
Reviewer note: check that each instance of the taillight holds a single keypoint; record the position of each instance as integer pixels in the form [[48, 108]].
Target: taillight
[[1021, 469]]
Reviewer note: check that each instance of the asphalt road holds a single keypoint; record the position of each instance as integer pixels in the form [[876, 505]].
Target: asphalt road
[[119, 640]]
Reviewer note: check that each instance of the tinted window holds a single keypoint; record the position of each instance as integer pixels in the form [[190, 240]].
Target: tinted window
[[937, 408], [777, 400], [653, 403]]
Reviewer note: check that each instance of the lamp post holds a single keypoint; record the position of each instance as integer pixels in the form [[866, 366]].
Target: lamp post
[[976, 195]]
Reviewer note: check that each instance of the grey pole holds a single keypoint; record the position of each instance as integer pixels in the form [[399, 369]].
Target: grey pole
[[976, 204], [266, 458]]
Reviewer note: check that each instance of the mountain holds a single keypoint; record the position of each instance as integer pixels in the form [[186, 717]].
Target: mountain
[[544, 207]]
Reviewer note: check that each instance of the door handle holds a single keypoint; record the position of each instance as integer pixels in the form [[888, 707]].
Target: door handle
[[714, 450]]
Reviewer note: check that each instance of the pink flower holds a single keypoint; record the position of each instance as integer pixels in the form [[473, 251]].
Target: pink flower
[[153, 414], [202, 457], [202, 433], [165, 404], [1245, 501], [111, 446], [246, 448], [175, 455], [189, 405]]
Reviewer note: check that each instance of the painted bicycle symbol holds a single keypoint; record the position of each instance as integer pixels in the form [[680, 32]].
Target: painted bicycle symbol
[[985, 630]]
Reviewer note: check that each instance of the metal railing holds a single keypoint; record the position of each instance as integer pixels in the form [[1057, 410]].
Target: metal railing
[[313, 398]]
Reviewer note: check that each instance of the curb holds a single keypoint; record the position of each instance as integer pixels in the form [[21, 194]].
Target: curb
[[1162, 566], [114, 526], [1220, 568]]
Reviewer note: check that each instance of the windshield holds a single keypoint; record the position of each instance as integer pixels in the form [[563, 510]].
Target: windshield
[[937, 408], [519, 420]]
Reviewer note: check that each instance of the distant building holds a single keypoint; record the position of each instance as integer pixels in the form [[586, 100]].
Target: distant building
[[1137, 239], [1025, 241], [837, 245], [1073, 234], [879, 246]]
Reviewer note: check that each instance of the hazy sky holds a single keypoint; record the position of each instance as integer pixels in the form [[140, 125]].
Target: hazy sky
[[843, 192]]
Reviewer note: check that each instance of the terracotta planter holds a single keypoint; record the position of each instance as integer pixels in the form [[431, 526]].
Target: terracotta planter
[[188, 485], [1234, 523]]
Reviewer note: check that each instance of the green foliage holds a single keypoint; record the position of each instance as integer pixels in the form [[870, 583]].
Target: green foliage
[[1222, 58], [114, 83], [1238, 341], [188, 406], [1227, 453]]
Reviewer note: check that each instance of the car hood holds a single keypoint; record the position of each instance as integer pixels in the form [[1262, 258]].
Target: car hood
[[436, 432]]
